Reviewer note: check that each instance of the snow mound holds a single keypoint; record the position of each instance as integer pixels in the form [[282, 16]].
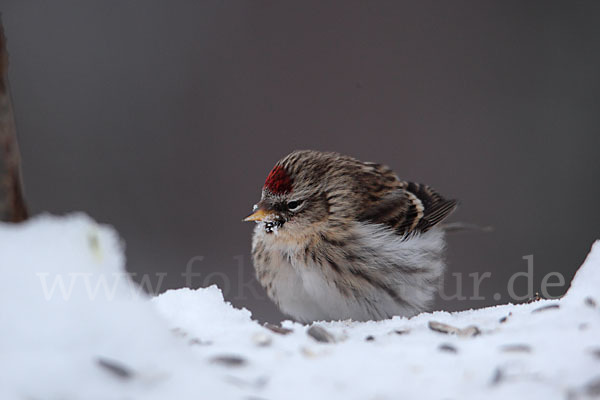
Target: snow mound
[[586, 283], [97, 336], [186, 308], [74, 326]]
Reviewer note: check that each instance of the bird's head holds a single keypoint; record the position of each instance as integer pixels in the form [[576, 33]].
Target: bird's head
[[293, 197]]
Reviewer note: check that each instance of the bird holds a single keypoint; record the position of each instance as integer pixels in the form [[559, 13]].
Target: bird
[[341, 239]]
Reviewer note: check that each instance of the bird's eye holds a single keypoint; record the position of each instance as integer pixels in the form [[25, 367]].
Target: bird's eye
[[292, 205]]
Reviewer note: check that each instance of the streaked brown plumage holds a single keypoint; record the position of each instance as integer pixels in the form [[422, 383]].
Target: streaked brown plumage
[[338, 238]]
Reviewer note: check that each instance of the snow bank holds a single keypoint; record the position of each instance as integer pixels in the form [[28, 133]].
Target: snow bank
[[116, 343], [73, 326]]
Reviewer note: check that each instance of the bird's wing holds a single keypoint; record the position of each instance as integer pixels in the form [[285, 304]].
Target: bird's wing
[[409, 208]]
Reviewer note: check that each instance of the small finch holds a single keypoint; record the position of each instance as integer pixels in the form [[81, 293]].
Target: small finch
[[337, 238]]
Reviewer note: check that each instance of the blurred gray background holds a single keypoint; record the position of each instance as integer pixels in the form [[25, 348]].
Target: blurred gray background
[[163, 118]]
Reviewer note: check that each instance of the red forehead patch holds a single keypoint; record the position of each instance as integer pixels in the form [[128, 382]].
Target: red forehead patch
[[278, 181]]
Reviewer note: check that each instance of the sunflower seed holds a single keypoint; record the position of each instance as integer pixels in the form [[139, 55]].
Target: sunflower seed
[[544, 308], [516, 348], [448, 348], [590, 302], [497, 377], [320, 334], [442, 328], [469, 331], [229, 361], [277, 329], [115, 368]]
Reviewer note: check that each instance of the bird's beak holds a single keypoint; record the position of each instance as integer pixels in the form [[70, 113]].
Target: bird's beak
[[258, 215]]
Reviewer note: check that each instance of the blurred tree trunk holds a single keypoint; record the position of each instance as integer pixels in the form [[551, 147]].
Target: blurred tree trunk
[[12, 204]]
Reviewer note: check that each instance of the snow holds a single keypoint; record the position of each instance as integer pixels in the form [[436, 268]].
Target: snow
[[52, 341], [99, 337]]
